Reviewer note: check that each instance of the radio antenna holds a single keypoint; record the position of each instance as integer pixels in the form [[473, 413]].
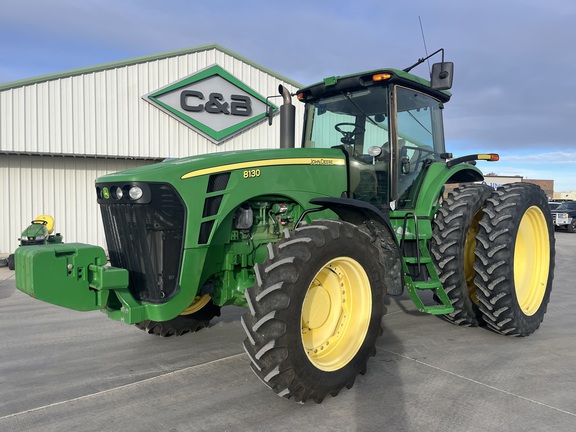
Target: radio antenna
[[424, 41]]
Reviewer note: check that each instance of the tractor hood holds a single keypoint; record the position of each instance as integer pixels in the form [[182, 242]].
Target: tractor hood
[[175, 170], [35, 231]]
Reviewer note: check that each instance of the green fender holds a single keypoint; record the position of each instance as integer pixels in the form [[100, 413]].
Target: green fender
[[436, 177]]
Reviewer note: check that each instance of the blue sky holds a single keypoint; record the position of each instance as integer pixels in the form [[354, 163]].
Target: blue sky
[[514, 88]]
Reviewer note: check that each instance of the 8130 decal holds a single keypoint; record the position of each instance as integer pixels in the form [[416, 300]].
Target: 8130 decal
[[251, 173]]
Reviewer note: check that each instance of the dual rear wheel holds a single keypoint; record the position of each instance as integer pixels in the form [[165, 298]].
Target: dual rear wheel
[[494, 253]]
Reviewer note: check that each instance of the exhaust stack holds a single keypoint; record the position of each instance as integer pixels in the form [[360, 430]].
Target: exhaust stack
[[287, 119]]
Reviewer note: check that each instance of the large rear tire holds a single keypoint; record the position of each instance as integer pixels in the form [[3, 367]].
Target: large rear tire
[[515, 259], [315, 311], [195, 318], [452, 248]]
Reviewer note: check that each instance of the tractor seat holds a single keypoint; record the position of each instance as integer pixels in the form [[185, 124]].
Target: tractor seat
[[45, 220]]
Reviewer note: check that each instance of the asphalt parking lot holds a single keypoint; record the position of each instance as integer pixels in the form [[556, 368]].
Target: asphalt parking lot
[[62, 370]]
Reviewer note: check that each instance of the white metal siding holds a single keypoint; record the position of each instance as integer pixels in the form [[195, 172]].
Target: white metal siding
[[57, 136], [62, 187], [103, 114]]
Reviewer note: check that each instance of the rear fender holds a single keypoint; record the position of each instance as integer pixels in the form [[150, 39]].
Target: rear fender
[[439, 175]]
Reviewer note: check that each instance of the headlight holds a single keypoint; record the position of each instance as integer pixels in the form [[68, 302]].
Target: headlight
[[123, 193], [564, 215], [135, 193], [118, 193]]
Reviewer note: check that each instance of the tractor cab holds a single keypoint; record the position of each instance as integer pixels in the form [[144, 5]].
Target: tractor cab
[[389, 124]]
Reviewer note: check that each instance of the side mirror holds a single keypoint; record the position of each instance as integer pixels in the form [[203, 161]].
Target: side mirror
[[405, 165], [269, 112], [442, 74]]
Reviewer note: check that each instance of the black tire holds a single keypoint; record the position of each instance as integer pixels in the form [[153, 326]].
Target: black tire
[[515, 259], [182, 324], [11, 265], [571, 227], [320, 267], [452, 249], [389, 256]]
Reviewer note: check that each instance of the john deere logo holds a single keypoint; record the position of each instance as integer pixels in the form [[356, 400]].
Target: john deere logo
[[213, 102]]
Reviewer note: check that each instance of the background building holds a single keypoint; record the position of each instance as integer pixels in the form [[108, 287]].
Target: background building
[[59, 132], [571, 195], [546, 185], [495, 181]]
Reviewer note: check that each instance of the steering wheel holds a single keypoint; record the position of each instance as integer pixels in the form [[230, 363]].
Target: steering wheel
[[348, 136]]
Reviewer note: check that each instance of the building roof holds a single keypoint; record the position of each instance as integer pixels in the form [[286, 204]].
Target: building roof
[[144, 59]]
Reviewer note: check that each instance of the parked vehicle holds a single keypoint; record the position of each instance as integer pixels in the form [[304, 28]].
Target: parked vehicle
[[39, 232], [564, 216]]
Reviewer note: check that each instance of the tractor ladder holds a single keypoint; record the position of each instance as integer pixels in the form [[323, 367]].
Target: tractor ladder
[[419, 272]]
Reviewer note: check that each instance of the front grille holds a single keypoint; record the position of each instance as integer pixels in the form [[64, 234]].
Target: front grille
[[25, 242], [554, 217], [147, 240]]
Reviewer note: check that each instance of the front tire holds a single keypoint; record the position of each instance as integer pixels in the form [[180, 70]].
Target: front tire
[[11, 265], [515, 259], [315, 311], [195, 318]]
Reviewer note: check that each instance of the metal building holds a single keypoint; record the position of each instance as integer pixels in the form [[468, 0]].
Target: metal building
[[59, 132]]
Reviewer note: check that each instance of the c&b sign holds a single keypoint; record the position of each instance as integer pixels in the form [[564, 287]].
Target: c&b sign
[[213, 102]]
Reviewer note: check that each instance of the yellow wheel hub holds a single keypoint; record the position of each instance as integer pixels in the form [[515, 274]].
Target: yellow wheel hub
[[531, 260], [198, 303], [336, 314]]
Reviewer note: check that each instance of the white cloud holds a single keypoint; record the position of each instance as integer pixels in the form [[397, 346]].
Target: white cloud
[[550, 158]]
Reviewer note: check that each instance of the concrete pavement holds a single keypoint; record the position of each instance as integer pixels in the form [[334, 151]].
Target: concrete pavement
[[62, 370]]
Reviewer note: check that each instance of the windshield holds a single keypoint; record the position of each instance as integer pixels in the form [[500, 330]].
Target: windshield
[[358, 120], [567, 206]]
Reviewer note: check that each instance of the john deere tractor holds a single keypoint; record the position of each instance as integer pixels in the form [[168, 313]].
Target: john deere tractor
[[312, 239]]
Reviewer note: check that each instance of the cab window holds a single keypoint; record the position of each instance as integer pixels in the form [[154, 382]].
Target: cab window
[[420, 141]]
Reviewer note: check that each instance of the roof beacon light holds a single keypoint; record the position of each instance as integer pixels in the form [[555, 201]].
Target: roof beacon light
[[381, 77]]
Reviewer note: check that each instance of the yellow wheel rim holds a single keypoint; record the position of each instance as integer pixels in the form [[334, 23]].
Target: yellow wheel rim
[[531, 260], [198, 303], [469, 257], [336, 314]]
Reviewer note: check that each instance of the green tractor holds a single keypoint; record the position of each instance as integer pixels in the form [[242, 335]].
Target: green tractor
[[39, 232], [311, 240]]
